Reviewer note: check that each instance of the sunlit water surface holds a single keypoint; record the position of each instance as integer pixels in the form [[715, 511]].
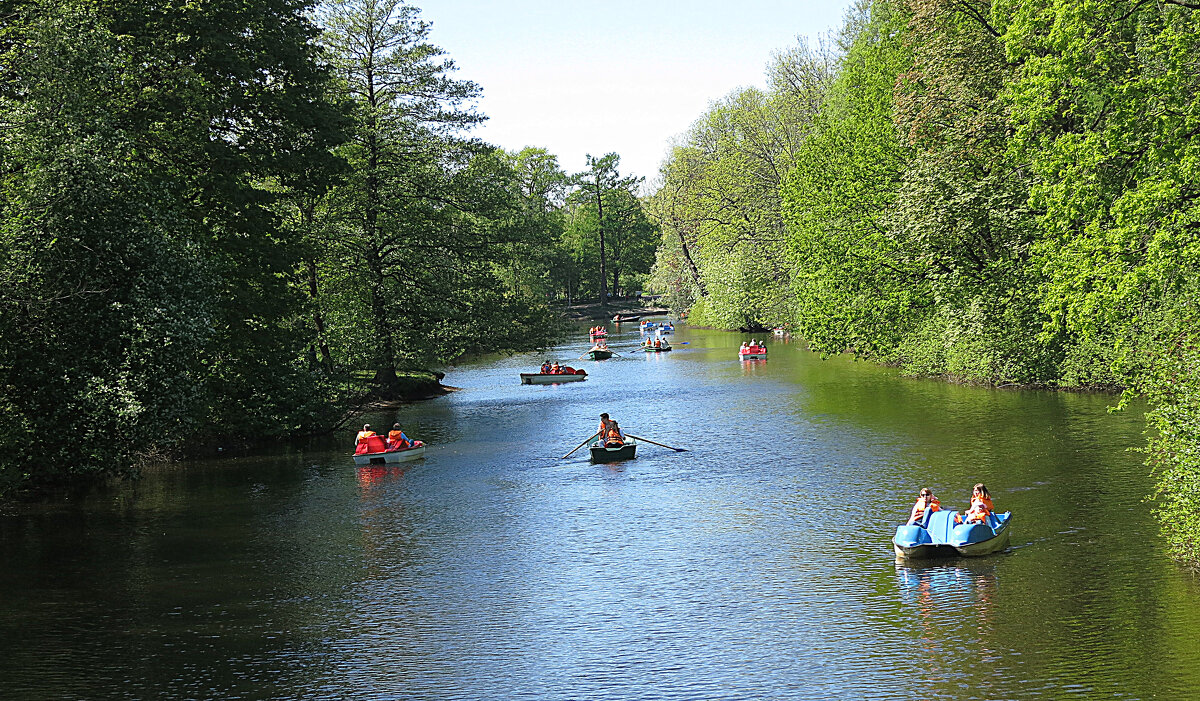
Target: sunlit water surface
[[756, 565]]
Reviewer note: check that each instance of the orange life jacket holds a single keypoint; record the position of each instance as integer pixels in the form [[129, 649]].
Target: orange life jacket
[[397, 439], [980, 508], [363, 435], [918, 509], [614, 437]]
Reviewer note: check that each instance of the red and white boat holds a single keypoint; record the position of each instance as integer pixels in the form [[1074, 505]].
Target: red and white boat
[[373, 451], [553, 378], [752, 352]]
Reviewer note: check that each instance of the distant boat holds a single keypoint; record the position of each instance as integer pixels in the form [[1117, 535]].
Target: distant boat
[[660, 349], [599, 354], [550, 378], [618, 318], [666, 328], [942, 537], [376, 453], [753, 353], [625, 452]]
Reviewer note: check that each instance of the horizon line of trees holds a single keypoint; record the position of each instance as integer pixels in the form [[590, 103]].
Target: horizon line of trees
[[234, 221], [995, 191]]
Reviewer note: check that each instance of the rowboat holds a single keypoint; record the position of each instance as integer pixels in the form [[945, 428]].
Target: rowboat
[[651, 349], [548, 378], [753, 353], [942, 537], [625, 452], [599, 354], [618, 318], [379, 455]]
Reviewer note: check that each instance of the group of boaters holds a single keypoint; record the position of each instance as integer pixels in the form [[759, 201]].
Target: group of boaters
[[927, 503], [598, 331], [657, 342], [751, 344], [549, 368], [395, 439]]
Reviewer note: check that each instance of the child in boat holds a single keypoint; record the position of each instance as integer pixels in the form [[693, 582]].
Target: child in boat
[[555, 369], [615, 437], [926, 503], [545, 368], [981, 505]]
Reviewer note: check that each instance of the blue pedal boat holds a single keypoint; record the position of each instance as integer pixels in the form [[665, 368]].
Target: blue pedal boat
[[940, 536]]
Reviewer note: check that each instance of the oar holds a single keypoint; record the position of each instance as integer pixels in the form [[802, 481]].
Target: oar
[[677, 450], [585, 442]]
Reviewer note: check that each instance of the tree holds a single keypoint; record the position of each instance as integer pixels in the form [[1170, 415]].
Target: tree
[[600, 180]]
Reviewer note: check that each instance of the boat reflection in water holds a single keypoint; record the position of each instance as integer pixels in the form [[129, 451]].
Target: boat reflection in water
[[952, 608]]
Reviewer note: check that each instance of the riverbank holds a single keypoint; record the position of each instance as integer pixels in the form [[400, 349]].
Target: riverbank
[[596, 312]]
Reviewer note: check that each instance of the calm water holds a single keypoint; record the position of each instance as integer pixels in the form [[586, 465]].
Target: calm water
[[757, 565]]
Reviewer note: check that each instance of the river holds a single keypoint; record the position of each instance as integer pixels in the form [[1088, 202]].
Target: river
[[755, 565]]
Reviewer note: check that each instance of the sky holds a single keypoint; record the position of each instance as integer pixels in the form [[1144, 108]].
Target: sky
[[592, 77]]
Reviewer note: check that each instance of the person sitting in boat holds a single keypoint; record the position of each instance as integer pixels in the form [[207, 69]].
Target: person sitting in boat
[[605, 422], [926, 504], [545, 368], [981, 505], [396, 440], [615, 437], [555, 369], [364, 434]]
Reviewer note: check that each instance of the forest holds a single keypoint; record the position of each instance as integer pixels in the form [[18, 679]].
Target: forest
[[1001, 192], [227, 222]]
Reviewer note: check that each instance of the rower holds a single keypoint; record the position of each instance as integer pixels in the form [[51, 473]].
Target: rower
[[555, 369], [545, 368]]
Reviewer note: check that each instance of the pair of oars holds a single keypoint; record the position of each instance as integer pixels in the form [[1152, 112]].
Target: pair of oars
[[647, 440]]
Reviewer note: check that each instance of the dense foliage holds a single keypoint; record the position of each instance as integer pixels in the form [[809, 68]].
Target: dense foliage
[[999, 191], [233, 221]]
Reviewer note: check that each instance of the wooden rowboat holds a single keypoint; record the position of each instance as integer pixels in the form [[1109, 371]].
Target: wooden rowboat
[[619, 319], [545, 378], [652, 349], [390, 457], [942, 537], [599, 354], [625, 452]]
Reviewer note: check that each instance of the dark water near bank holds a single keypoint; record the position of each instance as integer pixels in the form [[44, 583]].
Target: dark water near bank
[[757, 565]]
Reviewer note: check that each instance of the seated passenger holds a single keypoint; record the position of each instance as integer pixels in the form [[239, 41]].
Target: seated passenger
[[396, 440], [545, 368], [981, 505], [364, 434], [555, 369], [926, 502], [615, 438]]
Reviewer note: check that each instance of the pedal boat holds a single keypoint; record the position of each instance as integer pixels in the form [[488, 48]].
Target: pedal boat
[[625, 452], [941, 537], [753, 353]]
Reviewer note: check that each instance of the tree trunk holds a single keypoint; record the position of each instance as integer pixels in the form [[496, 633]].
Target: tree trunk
[[319, 318], [687, 256], [600, 226]]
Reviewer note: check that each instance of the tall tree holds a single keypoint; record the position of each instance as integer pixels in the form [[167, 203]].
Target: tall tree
[[602, 178]]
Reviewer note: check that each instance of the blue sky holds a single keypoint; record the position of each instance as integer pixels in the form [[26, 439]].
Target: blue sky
[[615, 75]]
